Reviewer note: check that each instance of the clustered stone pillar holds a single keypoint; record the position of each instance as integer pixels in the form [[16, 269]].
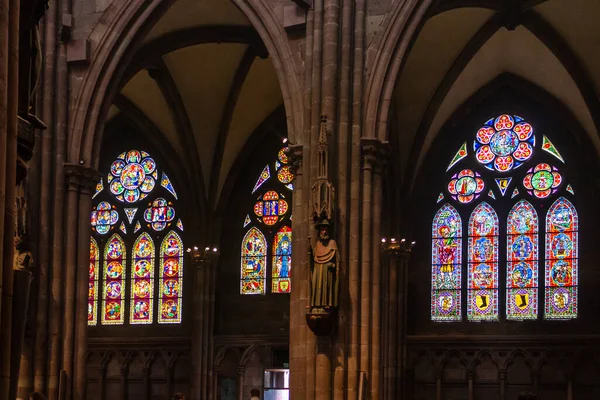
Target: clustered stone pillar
[[396, 256], [204, 262], [60, 352]]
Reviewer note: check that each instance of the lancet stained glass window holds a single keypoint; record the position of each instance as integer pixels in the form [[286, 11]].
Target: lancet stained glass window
[[266, 248], [93, 283], [562, 248], [254, 262], [142, 284], [509, 156], [522, 262], [446, 263], [115, 272], [482, 283], [171, 279], [282, 260], [143, 252]]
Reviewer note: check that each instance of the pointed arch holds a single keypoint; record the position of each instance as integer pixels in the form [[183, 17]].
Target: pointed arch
[[115, 256], [482, 280], [142, 281], [446, 263], [171, 274], [522, 255], [282, 261], [254, 262], [93, 283], [562, 269]]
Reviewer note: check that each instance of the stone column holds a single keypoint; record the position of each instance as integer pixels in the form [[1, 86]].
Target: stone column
[[405, 248], [502, 374], [124, 372], [438, 384], [82, 182], [300, 288], [200, 267], [470, 384], [146, 377], [241, 371], [391, 253]]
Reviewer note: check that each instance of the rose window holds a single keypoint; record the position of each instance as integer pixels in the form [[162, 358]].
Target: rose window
[[270, 208], [542, 180], [466, 186], [504, 143], [160, 214], [132, 176], [104, 217]]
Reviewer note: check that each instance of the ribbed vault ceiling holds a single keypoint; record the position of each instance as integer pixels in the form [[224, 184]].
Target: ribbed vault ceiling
[[461, 48], [203, 81]]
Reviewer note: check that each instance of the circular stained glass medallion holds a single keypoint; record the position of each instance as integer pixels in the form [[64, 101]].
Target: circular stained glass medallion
[[466, 186], [132, 176], [142, 268], [171, 267], [141, 309], [142, 289], [282, 156], [504, 143], [114, 269], [170, 309], [522, 274], [522, 247], [542, 181], [113, 290]]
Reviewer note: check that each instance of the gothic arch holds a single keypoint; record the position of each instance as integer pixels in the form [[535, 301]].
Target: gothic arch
[[121, 28], [384, 60]]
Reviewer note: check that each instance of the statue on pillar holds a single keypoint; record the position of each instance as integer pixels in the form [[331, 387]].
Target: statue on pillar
[[324, 255], [324, 269]]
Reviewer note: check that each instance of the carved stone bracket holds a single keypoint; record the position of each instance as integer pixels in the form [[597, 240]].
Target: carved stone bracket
[[83, 178], [374, 154], [295, 153]]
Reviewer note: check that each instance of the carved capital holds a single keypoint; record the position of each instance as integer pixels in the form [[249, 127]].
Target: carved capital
[[374, 154], [241, 371], [82, 178], [295, 153], [395, 248]]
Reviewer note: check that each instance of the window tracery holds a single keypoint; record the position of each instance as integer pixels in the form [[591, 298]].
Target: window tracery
[[266, 250], [141, 251], [506, 152]]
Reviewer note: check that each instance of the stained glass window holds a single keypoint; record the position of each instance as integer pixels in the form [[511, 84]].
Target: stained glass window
[[282, 260], [466, 186], [142, 283], [266, 249], [522, 262], [562, 248], [159, 214], [93, 283], [446, 264], [132, 176], [171, 279], [115, 256], [254, 262], [129, 294], [482, 301], [505, 144]]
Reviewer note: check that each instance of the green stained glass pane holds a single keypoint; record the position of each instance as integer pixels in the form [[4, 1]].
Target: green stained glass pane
[[460, 154], [549, 147]]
